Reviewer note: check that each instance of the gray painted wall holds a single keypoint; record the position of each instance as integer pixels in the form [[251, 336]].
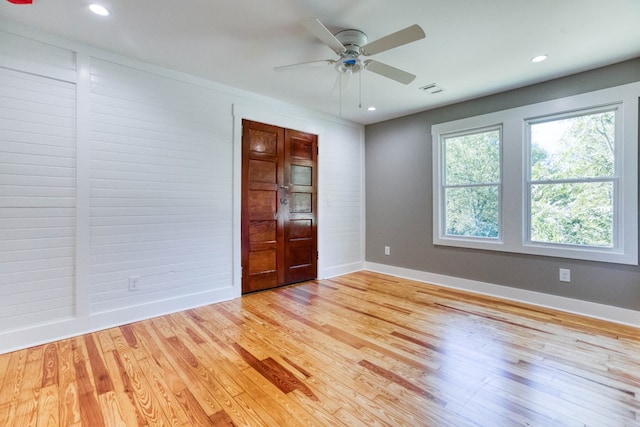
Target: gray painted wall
[[399, 202]]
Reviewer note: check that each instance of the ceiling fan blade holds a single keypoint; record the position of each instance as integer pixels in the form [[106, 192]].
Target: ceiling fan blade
[[321, 32], [388, 71], [399, 38], [310, 64]]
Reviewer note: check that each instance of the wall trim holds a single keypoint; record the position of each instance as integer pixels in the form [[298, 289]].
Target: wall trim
[[18, 339], [570, 305], [340, 270]]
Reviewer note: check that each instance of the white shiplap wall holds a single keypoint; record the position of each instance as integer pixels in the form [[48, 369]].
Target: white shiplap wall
[[126, 169], [160, 193], [37, 188], [342, 203], [36, 57]]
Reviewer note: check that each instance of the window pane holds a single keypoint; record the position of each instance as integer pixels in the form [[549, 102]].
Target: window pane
[[574, 214], [473, 159], [472, 212], [575, 147]]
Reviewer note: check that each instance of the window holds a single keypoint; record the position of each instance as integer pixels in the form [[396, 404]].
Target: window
[[572, 179], [472, 184], [559, 178]]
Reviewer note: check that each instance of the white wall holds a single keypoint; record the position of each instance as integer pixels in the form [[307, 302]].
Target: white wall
[[112, 168]]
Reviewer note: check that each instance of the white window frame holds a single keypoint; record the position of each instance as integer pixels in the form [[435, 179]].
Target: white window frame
[[614, 179], [514, 215], [443, 207]]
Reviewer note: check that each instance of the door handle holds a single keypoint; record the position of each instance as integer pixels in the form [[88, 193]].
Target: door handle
[[283, 200]]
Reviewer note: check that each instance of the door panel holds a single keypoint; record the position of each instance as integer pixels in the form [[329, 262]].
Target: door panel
[[300, 233], [300, 203], [301, 175], [262, 203], [262, 171], [279, 233], [261, 222], [300, 228]]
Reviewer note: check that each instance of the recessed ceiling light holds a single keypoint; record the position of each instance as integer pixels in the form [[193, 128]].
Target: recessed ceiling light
[[99, 10], [539, 58], [371, 109]]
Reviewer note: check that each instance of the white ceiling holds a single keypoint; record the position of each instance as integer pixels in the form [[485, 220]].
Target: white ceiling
[[472, 48]]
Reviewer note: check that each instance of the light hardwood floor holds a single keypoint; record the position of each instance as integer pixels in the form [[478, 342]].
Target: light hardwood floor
[[359, 350]]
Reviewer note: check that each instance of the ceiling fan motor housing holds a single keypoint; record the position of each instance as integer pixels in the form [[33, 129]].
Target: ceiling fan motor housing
[[352, 40]]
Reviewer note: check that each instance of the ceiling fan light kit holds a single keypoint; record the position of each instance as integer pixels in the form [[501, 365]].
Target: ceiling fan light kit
[[349, 61]]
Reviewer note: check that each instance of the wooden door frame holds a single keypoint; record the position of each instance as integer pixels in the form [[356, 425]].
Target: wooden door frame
[[241, 112]]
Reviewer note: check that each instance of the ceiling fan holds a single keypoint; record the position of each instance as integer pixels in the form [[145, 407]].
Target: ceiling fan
[[350, 45]]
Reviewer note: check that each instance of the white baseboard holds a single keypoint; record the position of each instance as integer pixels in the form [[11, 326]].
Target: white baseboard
[[44, 333], [340, 270], [48, 332], [585, 308]]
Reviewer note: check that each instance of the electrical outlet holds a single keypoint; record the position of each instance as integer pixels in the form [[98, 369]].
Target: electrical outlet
[[387, 250], [565, 275], [134, 281]]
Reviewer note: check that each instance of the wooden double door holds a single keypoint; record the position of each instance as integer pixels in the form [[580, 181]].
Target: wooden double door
[[279, 225]]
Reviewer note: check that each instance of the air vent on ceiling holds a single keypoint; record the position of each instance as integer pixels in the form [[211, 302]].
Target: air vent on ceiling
[[432, 88]]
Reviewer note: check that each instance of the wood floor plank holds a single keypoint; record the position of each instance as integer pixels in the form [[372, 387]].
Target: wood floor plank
[[48, 412], [150, 410], [209, 359], [285, 410], [4, 365], [210, 394], [9, 394], [112, 412], [123, 393], [259, 417], [347, 404], [90, 411], [67, 386], [363, 349], [171, 402], [26, 413]]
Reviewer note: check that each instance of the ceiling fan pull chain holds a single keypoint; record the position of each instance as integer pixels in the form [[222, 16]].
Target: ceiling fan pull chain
[[360, 90], [340, 94]]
